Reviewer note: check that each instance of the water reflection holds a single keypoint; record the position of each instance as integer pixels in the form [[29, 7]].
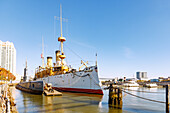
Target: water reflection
[[69, 102], [88, 103]]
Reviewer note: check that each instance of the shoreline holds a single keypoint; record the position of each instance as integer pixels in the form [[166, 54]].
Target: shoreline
[[7, 101]]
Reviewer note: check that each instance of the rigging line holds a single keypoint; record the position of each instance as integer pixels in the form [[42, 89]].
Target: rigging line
[[54, 26], [74, 82], [142, 91], [143, 97], [67, 28], [95, 80], [66, 55], [60, 46], [75, 53]]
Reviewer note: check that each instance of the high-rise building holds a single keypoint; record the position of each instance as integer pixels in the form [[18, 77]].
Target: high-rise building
[[141, 75], [8, 56]]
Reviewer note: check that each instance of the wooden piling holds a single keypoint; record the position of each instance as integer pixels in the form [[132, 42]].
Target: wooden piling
[[167, 98], [110, 94], [119, 96], [115, 97]]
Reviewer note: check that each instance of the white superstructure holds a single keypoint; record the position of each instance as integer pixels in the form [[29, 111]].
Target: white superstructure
[[8, 56]]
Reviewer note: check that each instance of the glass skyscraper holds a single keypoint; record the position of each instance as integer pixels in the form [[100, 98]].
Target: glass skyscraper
[[8, 56], [141, 75]]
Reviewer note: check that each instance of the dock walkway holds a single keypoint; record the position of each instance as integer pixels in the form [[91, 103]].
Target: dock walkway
[[52, 93], [7, 103]]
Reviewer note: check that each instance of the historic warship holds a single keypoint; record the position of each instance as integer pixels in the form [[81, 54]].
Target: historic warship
[[64, 78]]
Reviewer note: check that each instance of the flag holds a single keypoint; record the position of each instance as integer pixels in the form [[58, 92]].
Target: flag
[[41, 55]]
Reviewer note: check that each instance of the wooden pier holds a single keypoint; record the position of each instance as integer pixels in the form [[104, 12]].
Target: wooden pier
[[115, 97], [49, 91], [52, 93]]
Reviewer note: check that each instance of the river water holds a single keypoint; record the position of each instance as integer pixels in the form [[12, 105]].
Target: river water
[[88, 103]]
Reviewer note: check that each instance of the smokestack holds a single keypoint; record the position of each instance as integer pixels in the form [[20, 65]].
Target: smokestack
[[57, 53], [49, 62]]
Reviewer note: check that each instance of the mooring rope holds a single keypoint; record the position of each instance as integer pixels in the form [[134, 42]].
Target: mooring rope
[[75, 53], [143, 91], [97, 83], [133, 90], [143, 97]]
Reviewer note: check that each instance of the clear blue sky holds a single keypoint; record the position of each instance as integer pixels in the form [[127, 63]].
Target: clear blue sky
[[128, 35]]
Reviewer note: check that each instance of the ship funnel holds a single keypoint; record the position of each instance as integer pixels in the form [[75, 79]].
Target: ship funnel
[[57, 53], [49, 62], [58, 60]]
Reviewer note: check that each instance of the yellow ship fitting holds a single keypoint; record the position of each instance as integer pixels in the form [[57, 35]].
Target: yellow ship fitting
[[62, 48], [51, 71], [49, 62], [57, 53], [62, 56], [84, 64], [64, 68], [61, 39]]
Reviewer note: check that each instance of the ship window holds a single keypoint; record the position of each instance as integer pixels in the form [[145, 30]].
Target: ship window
[[33, 86]]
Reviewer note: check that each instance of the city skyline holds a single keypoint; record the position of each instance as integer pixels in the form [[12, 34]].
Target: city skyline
[[128, 36]]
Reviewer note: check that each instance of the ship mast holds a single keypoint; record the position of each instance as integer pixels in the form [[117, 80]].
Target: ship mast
[[61, 39], [42, 54], [96, 59], [25, 71], [61, 19], [26, 63]]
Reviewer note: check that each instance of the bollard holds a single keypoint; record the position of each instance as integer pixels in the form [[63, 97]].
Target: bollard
[[115, 97], [167, 98]]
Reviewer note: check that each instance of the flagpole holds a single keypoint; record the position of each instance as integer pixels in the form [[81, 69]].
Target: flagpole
[[96, 59]]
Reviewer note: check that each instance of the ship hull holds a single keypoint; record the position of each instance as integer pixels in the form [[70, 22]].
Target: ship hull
[[85, 81], [34, 87], [78, 90]]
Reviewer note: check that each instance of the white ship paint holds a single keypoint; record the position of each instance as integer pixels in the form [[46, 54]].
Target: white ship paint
[[86, 79]]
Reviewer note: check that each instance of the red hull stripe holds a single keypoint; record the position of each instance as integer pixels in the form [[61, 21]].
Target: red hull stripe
[[78, 90]]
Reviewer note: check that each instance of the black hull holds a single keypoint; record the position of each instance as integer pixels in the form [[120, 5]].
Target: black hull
[[29, 90]]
